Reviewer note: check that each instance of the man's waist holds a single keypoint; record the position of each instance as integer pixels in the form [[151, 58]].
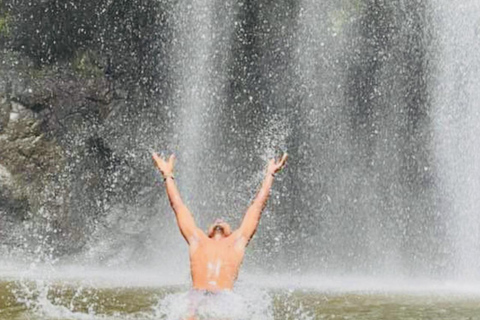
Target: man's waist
[[212, 286]]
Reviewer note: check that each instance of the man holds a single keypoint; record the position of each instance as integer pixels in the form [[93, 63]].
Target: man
[[215, 257]]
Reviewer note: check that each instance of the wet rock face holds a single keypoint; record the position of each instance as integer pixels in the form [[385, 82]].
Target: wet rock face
[[7, 188], [27, 158], [5, 178], [13, 207], [69, 79], [49, 140]]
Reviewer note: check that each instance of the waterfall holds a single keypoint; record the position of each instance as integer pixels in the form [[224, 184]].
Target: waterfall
[[375, 101], [365, 176], [193, 58], [457, 116], [200, 60]]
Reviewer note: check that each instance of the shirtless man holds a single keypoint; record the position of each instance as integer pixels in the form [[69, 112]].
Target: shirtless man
[[215, 257]]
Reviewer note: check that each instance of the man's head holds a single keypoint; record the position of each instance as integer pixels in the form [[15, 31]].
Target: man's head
[[220, 228]]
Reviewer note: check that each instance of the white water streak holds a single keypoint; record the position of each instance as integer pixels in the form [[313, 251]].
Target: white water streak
[[457, 127]]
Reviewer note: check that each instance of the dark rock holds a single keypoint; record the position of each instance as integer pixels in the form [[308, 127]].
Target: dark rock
[[34, 100]]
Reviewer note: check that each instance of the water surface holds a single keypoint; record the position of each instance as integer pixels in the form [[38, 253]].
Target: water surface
[[75, 300]]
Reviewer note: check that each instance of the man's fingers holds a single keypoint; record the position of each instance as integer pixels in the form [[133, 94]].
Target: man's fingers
[[171, 160], [155, 156], [284, 159], [158, 160], [279, 165]]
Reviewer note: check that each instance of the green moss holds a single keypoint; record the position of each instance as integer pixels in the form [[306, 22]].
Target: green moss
[[37, 72], [4, 28], [4, 21], [85, 64]]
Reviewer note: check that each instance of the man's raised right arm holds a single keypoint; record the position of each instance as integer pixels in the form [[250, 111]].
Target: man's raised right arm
[[185, 219]]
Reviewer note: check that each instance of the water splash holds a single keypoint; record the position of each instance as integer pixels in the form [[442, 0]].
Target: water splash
[[252, 304]]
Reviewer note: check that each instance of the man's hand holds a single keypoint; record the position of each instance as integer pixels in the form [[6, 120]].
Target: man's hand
[[165, 167], [274, 166]]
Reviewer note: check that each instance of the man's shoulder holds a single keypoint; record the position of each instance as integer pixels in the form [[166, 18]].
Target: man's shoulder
[[197, 236], [238, 240]]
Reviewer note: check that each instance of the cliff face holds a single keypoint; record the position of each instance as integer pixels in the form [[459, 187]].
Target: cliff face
[[70, 73], [48, 95], [37, 103]]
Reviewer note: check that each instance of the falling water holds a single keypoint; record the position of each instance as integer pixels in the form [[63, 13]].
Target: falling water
[[201, 52], [457, 117], [364, 185]]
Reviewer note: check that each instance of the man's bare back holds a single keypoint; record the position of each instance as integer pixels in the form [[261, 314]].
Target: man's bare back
[[215, 258], [215, 263]]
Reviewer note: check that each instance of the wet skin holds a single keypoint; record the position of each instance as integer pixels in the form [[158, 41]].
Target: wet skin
[[215, 261]]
